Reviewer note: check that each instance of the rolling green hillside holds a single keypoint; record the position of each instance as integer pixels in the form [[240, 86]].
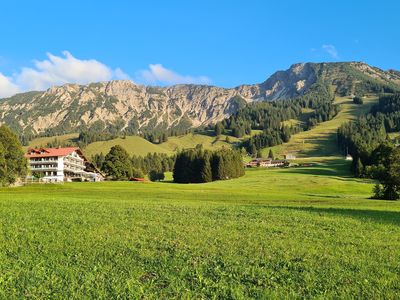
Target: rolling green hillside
[[43, 141], [139, 146], [132, 144], [191, 140]]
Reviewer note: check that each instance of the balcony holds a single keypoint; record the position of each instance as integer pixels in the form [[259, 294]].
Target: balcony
[[44, 168], [41, 162], [73, 169]]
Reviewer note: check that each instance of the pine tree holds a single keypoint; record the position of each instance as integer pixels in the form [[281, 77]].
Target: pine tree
[[206, 172], [391, 182], [218, 129], [359, 168], [270, 154]]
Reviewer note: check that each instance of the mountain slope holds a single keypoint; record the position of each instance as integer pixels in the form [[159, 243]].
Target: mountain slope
[[321, 140], [123, 105]]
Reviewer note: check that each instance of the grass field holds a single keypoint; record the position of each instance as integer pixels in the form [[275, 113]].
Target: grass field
[[288, 233]]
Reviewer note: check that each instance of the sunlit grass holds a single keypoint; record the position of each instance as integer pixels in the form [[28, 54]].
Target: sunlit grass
[[287, 233]]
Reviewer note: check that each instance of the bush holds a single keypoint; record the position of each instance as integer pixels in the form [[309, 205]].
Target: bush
[[156, 175], [358, 100], [137, 173]]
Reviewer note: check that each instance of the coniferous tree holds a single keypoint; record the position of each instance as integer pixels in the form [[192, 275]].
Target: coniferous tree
[[117, 163], [270, 154], [359, 168], [391, 180], [218, 129], [205, 168]]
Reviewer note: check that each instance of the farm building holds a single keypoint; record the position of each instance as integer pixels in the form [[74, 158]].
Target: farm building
[[266, 163], [61, 164], [289, 156]]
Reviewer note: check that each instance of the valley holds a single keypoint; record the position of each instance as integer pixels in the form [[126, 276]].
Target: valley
[[199, 150], [310, 230]]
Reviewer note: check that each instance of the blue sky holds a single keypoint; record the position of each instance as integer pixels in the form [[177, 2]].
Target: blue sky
[[224, 43]]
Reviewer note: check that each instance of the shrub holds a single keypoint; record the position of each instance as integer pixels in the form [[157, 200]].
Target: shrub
[[156, 175], [358, 100]]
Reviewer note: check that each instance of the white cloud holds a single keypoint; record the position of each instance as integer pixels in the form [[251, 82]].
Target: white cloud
[[157, 74], [7, 87], [331, 50], [58, 70]]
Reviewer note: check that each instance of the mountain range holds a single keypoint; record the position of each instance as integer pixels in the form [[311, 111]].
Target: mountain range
[[136, 108]]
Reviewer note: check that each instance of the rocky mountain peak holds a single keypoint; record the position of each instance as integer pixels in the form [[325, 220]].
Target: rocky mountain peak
[[71, 106]]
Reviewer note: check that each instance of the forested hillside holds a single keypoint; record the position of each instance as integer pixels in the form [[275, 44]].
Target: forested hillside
[[375, 154], [106, 110]]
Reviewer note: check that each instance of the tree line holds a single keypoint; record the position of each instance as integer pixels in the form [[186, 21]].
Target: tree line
[[199, 166], [119, 165], [374, 154]]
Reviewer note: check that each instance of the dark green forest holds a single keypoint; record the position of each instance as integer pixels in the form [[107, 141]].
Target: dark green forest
[[199, 166]]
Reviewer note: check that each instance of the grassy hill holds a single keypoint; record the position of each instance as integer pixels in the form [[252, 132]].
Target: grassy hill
[[259, 236], [133, 144], [191, 140], [43, 141], [139, 146], [320, 141]]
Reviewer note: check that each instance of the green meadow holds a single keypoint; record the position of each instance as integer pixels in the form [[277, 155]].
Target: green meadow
[[307, 232]]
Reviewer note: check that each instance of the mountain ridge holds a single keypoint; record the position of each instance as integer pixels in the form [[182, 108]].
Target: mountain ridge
[[124, 105]]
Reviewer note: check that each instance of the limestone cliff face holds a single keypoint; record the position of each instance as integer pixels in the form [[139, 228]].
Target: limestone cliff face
[[72, 107]]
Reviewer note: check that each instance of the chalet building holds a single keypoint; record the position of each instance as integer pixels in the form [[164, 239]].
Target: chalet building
[[61, 164], [266, 163]]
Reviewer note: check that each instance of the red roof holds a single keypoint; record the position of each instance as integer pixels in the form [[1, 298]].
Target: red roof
[[48, 152], [137, 179]]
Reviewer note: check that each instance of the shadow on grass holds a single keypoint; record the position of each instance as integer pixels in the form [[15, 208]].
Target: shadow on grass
[[337, 168], [378, 216], [321, 146]]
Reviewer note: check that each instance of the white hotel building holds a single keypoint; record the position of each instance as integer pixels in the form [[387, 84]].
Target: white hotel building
[[61, 164]]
